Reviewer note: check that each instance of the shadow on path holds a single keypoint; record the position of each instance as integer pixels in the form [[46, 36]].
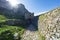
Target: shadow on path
[[33, 26]]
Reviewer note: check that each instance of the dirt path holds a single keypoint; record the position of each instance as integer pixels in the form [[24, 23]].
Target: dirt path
[[30, 33]]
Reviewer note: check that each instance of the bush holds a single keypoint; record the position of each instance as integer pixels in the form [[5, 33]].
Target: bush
[[7, 32], [7, 35]]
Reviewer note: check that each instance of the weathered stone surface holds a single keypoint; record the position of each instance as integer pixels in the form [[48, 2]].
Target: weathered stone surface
[[49, 24]]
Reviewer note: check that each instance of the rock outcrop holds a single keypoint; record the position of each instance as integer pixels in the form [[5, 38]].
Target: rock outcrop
[[14, 12], [49, 24]]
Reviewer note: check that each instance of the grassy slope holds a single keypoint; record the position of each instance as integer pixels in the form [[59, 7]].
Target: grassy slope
[[12, 29]]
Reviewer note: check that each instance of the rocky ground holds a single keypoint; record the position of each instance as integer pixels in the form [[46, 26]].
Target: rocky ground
[[48, 26], [30, 33]]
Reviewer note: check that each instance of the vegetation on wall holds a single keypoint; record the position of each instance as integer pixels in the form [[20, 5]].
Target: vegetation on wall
[[42, 17]]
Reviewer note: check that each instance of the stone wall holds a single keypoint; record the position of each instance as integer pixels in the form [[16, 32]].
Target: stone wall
[[49, 24]]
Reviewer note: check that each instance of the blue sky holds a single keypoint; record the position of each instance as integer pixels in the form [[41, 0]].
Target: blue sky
[[37, 6]]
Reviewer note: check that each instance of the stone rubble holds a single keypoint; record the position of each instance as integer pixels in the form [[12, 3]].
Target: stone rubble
[[30, 35], [50, 25]]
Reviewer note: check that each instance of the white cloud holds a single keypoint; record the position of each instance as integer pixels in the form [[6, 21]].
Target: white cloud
[[40, 13]]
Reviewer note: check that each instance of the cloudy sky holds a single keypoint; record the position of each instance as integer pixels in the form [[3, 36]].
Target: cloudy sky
[[37, 6]]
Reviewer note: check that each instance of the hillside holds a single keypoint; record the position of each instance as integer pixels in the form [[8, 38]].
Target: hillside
[[8, 30], [12, 22], [49, 24]]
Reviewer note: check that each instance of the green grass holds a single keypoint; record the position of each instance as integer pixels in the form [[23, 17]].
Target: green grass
[[5, 29], [13, 29], [2, 17], [41, 36], [42, 17]]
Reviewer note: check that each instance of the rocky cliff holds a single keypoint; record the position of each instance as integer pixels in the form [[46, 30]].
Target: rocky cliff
[[49, 24], [12, 12]]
